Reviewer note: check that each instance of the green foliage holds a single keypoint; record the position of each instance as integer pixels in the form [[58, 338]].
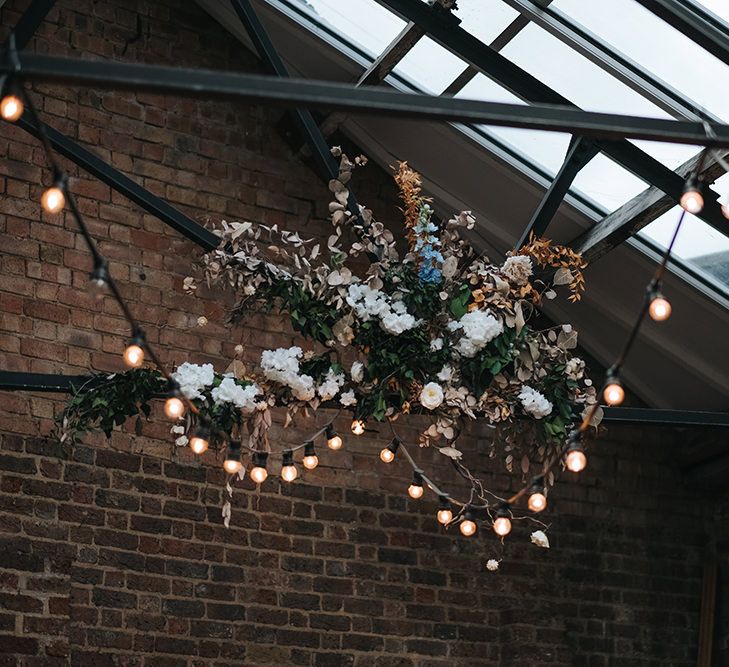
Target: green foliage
[[107, 401]]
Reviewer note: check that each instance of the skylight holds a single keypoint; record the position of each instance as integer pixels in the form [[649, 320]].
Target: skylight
[[622, 24]]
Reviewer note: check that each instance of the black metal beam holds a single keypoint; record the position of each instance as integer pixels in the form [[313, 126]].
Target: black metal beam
[[124, 185], [691, 19], [41, 382], [30, 21], [532, 90], [326, 164], [368, 100], [579, 153]]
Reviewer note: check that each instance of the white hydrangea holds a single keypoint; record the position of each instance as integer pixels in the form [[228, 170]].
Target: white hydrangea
[[192, 378], [479, 329], [492, 565], [282, 365], [517, 269], [370, 303], [436, 344], [348, 398], [431, 395], [534, 403], [396, 324], [330, 385], [229, 391]]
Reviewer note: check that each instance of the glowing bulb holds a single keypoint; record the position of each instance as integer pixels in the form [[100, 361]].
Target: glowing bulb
[[174, 407], [259, 474], [53, 200], [445, 516], [358, 427], [11, 108], [334, 442], [467, 527], [576, 460], [502, 526], [692, 201], [288, 473], [232, 467], [415, 491], [660, 308], [310, 462], [537, 501], [134, 355], [199, 444], [614, 393], [387, 456]]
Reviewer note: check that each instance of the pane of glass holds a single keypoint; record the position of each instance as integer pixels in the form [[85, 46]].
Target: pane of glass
[[582, 82], [547, 149], [430, 66], [718, 7], [365, 22], [607, 183], [672, 155], [658, 47]]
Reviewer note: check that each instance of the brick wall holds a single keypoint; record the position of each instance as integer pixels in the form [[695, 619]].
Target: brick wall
[[114, 552]]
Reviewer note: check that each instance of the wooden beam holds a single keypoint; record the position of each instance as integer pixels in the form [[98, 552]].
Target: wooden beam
[[640, 211]]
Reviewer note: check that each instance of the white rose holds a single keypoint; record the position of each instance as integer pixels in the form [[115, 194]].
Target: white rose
[[348, 398], [492, 565], [446, 373], [540, 539], [517, 269], [431, 396]]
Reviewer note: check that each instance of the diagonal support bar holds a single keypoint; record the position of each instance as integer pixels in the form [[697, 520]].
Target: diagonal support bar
[[30, 20], [579, 153], [124, 185], [326, 164]]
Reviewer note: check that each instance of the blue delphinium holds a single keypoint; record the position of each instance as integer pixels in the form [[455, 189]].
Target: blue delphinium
[[426, 245]]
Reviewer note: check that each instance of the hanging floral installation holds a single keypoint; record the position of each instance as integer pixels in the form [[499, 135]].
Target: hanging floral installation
[[431, 328]]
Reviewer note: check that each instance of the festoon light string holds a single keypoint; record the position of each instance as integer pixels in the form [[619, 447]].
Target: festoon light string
[[12, 105]]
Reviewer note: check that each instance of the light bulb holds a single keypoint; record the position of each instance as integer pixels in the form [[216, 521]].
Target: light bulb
[[502, 526], [134, 354], [311, 460], [692, 200], [386, 456], [53, 200], [576, 460], [288, 470], [174, 407], [358, 427], [232, 463], [200, 441], [614, 393], [334, 441], [258, 474], [445, 516], [415, 491], [11, 108], [468, 527], [537, 501], [660, 308]]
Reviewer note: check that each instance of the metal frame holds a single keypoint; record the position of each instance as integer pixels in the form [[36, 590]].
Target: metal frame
[[30, 20], [698, 24], [579, 153], [613, 62], [608, 128]]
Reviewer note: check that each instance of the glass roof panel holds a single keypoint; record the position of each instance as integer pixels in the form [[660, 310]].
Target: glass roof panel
[[661, 49], [485, 19], [363, 21], [578, 79], [430, 66], [607, 183]]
